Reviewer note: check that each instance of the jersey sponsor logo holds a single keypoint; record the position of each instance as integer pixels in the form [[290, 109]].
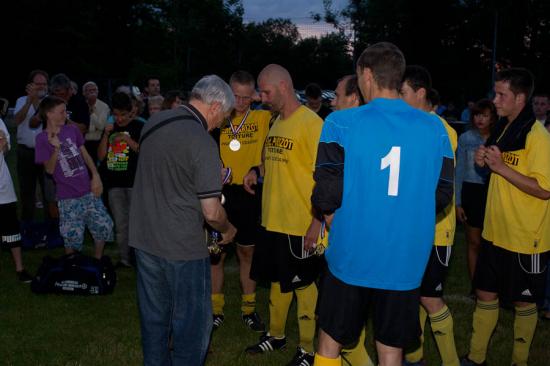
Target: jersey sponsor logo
[[510, 158], [246, 128], [279, 142]]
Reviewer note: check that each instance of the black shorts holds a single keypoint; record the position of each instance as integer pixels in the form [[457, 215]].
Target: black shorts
[[474, 198], [274, 261], [9, 225], [343, 312], [513, 276], [243, 211], [436, 270]]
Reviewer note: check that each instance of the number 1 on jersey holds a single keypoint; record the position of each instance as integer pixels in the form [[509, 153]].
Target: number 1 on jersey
[[392, 160]]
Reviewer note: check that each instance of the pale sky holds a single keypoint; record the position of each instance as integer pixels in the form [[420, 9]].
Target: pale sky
[[299, 11]]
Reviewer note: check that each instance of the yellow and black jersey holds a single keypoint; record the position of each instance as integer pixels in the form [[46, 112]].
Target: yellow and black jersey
[[515, 220], [290, 153], [446, 219], [251, 139]]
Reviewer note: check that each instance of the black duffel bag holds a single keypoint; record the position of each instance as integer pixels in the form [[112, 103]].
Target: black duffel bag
[[75, 274]]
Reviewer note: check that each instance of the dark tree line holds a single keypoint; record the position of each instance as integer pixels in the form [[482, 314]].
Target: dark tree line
[[119, 41], [113, 42], [454, 39]]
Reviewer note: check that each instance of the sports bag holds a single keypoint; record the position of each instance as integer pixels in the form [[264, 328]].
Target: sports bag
[[75, 274]]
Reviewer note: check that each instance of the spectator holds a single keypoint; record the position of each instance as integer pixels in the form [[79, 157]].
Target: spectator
[[541, 107], [78, 112], [466, 113], [119, 146], [152, 89], [173, 99], [155, 104], [471, 182], [99, 112], [28, 127], [60, 148]]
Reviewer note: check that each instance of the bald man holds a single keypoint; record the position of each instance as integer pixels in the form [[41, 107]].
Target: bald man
[[289, 155]]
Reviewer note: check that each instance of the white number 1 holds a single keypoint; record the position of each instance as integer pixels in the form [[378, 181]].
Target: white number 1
[[393, 160]]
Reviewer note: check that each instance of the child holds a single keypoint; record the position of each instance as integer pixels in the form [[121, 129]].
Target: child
[[119, 146], [60, 147]]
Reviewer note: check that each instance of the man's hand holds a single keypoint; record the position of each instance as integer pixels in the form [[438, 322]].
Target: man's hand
[[460, 214], [250, 180], [228, 235], [312, 234], [97, 186], [32, 93], [479, 157], [493, 158]]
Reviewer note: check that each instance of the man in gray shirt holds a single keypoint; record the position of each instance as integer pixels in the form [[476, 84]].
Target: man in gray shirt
[[177, 187]]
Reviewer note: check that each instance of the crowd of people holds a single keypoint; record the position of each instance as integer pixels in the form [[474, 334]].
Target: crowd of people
[[352, 209]]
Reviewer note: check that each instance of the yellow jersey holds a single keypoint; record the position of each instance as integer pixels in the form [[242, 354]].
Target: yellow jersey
[[515, 220], [446, 220], [290, 153], [250, 136]]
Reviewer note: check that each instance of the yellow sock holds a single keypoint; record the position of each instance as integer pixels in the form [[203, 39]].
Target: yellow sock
[[279, 303], [306, 300], [525, 323], [442, 328], [418, 354], [483, 323], [357, 356], [248, 303], [218, 302], [325, 361]]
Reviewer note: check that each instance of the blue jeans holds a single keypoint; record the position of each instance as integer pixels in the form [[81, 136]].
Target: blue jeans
[[174, 298]]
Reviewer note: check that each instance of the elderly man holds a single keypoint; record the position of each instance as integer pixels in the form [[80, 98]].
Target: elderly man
[[177, 187], [280, 258], [99, 112]]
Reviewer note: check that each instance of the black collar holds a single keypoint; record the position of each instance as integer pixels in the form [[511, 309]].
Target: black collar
[[195, 113], [512, 138]]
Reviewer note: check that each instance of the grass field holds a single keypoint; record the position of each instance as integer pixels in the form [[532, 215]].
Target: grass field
[[104, 330]]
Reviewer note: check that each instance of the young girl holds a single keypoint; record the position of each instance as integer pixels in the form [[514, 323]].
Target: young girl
[[470, 187], [60, 148]]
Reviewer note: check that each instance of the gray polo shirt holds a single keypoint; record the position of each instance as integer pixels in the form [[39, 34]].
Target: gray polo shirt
[[178, 165]]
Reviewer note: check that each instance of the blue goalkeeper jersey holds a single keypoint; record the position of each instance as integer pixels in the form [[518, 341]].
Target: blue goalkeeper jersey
[[390, 158]]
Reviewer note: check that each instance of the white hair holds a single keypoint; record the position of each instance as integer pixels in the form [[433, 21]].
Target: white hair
[[212, 88], [88, 83]]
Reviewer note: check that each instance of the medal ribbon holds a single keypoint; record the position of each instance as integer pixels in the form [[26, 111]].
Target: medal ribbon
[[235, 130]]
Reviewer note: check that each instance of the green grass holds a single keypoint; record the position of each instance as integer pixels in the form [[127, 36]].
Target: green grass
[[104, 330]]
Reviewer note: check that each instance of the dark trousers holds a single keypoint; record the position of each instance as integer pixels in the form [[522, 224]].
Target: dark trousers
[[28, 173]]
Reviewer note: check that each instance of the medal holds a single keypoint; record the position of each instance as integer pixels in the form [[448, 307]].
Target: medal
[[234, 145]]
